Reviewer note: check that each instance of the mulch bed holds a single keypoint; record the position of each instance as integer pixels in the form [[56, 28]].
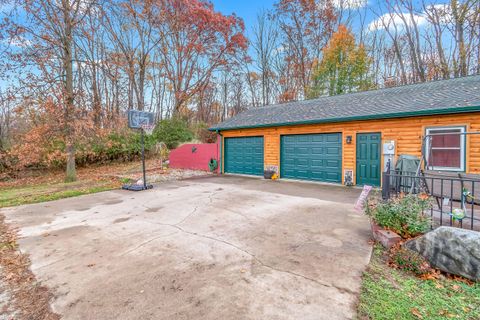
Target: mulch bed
[[29, 298]]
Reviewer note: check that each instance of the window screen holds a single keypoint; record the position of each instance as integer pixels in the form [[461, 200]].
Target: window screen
[[446, 148]]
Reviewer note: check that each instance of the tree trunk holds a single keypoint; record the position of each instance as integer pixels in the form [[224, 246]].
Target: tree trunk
[[71, 174]]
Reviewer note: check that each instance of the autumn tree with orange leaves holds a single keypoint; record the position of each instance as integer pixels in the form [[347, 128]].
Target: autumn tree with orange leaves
[[306, 26], [344, 66]]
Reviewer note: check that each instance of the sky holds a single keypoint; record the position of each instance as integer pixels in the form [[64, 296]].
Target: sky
[[245, 9], [248, 10]]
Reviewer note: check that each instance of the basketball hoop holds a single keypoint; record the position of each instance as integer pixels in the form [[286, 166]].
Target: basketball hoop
[[145, 122], [147, 128]]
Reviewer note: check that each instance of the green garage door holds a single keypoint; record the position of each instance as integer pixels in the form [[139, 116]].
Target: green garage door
[[315, 157], [244, 155]]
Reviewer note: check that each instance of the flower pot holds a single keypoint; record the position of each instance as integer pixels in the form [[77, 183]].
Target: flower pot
[[267, 174]]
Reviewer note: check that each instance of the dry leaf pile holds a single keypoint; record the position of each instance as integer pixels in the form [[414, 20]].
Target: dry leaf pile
[[30, 299]]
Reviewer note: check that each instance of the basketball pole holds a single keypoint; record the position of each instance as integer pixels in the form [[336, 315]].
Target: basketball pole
[[143, 160]]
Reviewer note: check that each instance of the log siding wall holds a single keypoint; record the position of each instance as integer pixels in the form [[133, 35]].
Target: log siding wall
[[406, 132]]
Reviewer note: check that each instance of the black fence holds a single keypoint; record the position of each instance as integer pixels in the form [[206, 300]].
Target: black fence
[[456, 198]]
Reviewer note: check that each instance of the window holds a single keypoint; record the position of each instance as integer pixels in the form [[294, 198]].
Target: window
[[446, 148]]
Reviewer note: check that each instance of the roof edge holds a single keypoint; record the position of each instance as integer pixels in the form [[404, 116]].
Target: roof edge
[[451, 110]]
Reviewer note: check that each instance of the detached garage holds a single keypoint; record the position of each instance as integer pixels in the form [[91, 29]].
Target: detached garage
[[348, 138]]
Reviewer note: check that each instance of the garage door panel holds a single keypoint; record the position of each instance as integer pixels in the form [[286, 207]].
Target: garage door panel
[[335, 137], [301, 173], [302, 140], [312, 157], [244, 155], [333, 151], [318, 175], [317, 163], [301, 150], [301, 162], [317, 138], [331, 176], [333, 164], [318, 150]]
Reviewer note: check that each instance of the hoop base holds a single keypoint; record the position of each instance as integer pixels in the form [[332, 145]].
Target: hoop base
[[136, 187]]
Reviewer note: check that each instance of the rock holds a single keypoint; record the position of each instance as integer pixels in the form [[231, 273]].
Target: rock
[[453, 250]]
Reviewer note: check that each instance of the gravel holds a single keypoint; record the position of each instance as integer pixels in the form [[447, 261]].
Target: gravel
[[175, 174]]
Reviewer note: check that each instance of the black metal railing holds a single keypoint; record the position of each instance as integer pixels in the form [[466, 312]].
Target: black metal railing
[[456, 198]]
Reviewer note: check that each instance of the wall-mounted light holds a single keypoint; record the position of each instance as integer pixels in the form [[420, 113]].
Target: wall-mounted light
[[348, 140]]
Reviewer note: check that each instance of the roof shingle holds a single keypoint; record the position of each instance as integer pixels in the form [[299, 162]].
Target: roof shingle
[[437, 97]]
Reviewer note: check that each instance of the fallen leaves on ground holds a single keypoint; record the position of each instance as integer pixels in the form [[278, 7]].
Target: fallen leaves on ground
[[29, 298], [416, 313], [103, 172]]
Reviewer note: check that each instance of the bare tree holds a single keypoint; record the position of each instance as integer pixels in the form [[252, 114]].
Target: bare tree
[[265, 45], [49, 28]]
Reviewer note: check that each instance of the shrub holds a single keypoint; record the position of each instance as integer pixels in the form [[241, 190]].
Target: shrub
[[404, 215], [203, 134], [42, 149], [410, 261], [102, 146], [172, 132], [7, 161], [123, 145]]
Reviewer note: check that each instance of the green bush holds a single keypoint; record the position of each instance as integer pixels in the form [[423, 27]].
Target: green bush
[[410, 261], [172, 132], [98, 146], [203, 134], [404, 215]]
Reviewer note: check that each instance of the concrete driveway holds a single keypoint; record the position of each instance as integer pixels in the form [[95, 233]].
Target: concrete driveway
[[204, 248]]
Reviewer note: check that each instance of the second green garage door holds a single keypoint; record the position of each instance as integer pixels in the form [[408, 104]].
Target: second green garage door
[[244, 155], [315, 157]]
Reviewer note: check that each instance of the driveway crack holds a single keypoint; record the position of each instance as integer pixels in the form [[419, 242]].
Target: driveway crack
[[188, 216], [254, 257], [147, 242], [251, 255]]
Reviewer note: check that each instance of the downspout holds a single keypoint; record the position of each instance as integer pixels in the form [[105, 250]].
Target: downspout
[[219, 152]]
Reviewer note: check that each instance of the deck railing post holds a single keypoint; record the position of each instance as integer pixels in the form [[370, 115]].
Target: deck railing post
[[385, 186]]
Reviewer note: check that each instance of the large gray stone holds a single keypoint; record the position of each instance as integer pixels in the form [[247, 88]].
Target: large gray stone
[[452, 250]]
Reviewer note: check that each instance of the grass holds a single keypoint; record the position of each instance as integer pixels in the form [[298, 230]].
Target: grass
[[388, 293], [36, 186], [17, 196]]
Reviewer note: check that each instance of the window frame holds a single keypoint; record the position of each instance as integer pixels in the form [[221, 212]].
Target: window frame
[[463, 146]]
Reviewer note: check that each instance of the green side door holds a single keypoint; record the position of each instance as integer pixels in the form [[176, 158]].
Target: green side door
[[368, 159], [244, 155], [316, 157]]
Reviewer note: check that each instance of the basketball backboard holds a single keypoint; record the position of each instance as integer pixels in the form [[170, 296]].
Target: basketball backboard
[[137, 119]]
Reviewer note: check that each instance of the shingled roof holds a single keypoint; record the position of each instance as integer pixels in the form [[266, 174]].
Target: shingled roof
[[437, 97]]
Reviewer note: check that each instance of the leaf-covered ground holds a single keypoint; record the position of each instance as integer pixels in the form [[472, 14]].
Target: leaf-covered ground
[[23, 297], [389, 293], [39, 186]]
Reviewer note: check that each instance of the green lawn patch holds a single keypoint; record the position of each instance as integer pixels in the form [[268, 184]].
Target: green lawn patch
[[388, 293], [25, 195]]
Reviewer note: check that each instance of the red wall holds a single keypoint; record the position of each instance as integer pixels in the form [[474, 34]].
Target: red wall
[[184, 158]]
